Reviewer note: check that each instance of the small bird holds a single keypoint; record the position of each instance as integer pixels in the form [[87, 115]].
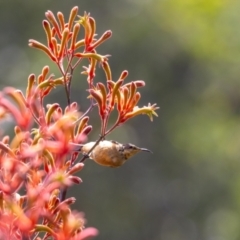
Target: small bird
[[110, 153]]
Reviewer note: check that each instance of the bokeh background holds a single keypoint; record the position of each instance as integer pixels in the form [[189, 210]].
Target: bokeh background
[[188, 52]]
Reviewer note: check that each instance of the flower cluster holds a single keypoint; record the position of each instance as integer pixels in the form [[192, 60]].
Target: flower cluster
[[40, 160], [125, 97], [38, 164]]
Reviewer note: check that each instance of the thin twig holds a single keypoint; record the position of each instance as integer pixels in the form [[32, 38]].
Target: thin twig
[[86, 112]]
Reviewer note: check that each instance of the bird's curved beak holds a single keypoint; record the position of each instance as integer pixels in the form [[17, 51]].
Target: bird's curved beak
[[76, 147], [145, 150]]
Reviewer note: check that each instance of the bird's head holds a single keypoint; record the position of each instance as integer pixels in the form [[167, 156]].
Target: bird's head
[[130, 150]]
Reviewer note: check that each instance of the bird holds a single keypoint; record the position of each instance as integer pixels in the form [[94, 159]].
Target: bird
[[110, 153]]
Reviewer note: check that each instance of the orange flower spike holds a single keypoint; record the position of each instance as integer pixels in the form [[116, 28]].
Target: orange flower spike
[[110, 85], [46, 92], [45, 84], [50, 16], [46, 229], [72, 133], [132, 89], [31, 81], [83, 123], [5, 140], [36, 133], [45, 72], [86, 130], [72, 16], [102, 88], [138, 83], [132, 104], [76, 168], [92, 69], [61, 20], [18, 98], [53, 31], [67, 109], [43, 75], [58, 81], [124, 74], [120, 95], [64, 206], [17, 130], [76, 29], [73, 107], [39, 79], [55, 202], [92, 24], [48, 157], [7, 150], [75, 179], [51, 109], [84, 20], [63, 44], [120, 101], [48, 31], [107, 70], [102, 39], [96, 94], [36, 44], [72, 112], [50, 204], [58, 114], [114, 92], [55, 198], [14, 111], [50, 83], [135, 100], [125, 93], [55, 46]]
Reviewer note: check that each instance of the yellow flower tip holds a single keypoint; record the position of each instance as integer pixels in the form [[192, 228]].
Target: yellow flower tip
[[148, 110], [153, 107], [83, 19], [151, 110]]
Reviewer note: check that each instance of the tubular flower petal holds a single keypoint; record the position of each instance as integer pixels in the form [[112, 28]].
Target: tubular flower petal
[[148, 110]]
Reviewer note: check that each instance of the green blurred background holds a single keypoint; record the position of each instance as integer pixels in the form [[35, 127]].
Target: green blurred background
[[188, 52]]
